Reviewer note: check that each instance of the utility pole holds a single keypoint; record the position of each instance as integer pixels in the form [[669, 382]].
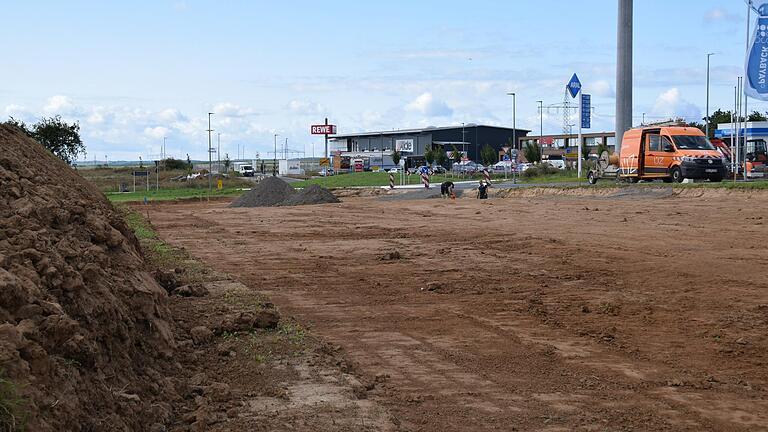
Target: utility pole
[[162, 151], [274, 161], [706, 127], [210, 160], [218, 151], [623, 72]]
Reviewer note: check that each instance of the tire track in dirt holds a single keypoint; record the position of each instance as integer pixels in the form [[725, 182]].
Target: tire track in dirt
[[489, 352]]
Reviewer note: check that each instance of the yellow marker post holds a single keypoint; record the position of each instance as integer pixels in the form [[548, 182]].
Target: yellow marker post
[[220, 184]]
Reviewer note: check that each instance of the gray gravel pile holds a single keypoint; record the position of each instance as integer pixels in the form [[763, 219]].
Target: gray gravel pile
[[313, 194], [267, 193]]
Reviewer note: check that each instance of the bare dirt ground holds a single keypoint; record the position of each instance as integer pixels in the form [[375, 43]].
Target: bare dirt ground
[[552, 313]]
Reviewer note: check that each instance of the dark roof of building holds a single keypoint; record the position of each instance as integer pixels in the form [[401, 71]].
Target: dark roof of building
[[419, 130]]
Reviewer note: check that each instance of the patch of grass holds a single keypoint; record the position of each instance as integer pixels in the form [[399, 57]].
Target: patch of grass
[[244, 298], [13, 415], [158, 253], [171, 194], [295, 333]]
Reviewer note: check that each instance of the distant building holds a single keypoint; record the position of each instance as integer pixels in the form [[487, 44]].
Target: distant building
[[375, 148]]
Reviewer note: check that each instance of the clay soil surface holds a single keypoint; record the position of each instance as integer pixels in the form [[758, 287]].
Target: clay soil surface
[[552, 313]]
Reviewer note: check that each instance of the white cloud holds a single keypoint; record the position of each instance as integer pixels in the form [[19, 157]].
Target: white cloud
[[305, 108], [602, 88], [156, 132], [671, 104], [720, 15], [60, 105], [427, 105], [228, 109]]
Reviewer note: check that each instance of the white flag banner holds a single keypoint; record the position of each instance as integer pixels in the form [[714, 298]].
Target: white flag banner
[[757, 57]]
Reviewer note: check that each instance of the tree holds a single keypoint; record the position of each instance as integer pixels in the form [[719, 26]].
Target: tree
[[721, 116], [602, 147], [532, 152], [227, 162], [756, 117], [456, 155], [488, 155], [174, 164], [440, 156], [59, 137], [429, 156], [396, 157], [585, 151]]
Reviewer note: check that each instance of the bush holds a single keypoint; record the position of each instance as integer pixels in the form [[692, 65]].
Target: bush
[[174, 164], [541, 169]]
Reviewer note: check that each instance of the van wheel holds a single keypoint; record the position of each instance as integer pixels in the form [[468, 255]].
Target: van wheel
[[716, 179], [677, 175], [591, 178], [634, 179]]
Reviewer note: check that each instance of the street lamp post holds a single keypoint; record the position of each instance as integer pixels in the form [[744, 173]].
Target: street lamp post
[[274, 160], [210, 159], [707, 117], [514, 120], [541, 127]]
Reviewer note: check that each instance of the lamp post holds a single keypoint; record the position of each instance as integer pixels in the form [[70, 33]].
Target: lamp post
[[514, 123], [541, 127], [274, 160], [210, 159], [707, 117]]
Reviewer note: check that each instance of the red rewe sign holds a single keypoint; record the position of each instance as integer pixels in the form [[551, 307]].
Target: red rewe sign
[[323, 129]]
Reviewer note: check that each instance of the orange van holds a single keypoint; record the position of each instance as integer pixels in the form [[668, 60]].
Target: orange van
[[670, 153]]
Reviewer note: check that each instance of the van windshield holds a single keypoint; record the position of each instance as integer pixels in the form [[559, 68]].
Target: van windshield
[[247, 168], [692, 142]]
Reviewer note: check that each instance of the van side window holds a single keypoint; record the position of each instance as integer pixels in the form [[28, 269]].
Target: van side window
[[654, 143], [664, 143]]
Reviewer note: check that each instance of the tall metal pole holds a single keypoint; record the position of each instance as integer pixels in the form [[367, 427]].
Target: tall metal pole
[[623, 71], [274, 161], [514, 125], [218, 151], [707, 117], [744, 90], [210, 159], [541, 128], [326, 140], [733, 141], [581, 137]]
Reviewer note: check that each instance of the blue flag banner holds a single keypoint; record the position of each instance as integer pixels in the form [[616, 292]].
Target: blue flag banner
[[757, 60]]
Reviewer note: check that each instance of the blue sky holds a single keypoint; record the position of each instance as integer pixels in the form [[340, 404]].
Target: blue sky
[[133, 72]]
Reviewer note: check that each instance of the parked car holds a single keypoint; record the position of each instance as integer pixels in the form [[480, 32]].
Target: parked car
[[468, 167], [521, 167], [503, 166], [438, 170], [557, 163], [326, 172]]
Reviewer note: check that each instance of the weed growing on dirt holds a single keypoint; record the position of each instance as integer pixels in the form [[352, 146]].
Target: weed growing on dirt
[[295, 333], [608, 308], [12, 407], [244, 298]]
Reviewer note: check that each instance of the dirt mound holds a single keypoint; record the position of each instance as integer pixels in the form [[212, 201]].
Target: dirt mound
[[267, 193], [83, 327], [313, 194]]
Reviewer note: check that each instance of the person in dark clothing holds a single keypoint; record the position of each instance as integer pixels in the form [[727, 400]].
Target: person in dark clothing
[[446, 189], [482, 190]]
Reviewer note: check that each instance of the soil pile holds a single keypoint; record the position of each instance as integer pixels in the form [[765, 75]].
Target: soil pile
[[267, 193], [83, 328], [313, 194]]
